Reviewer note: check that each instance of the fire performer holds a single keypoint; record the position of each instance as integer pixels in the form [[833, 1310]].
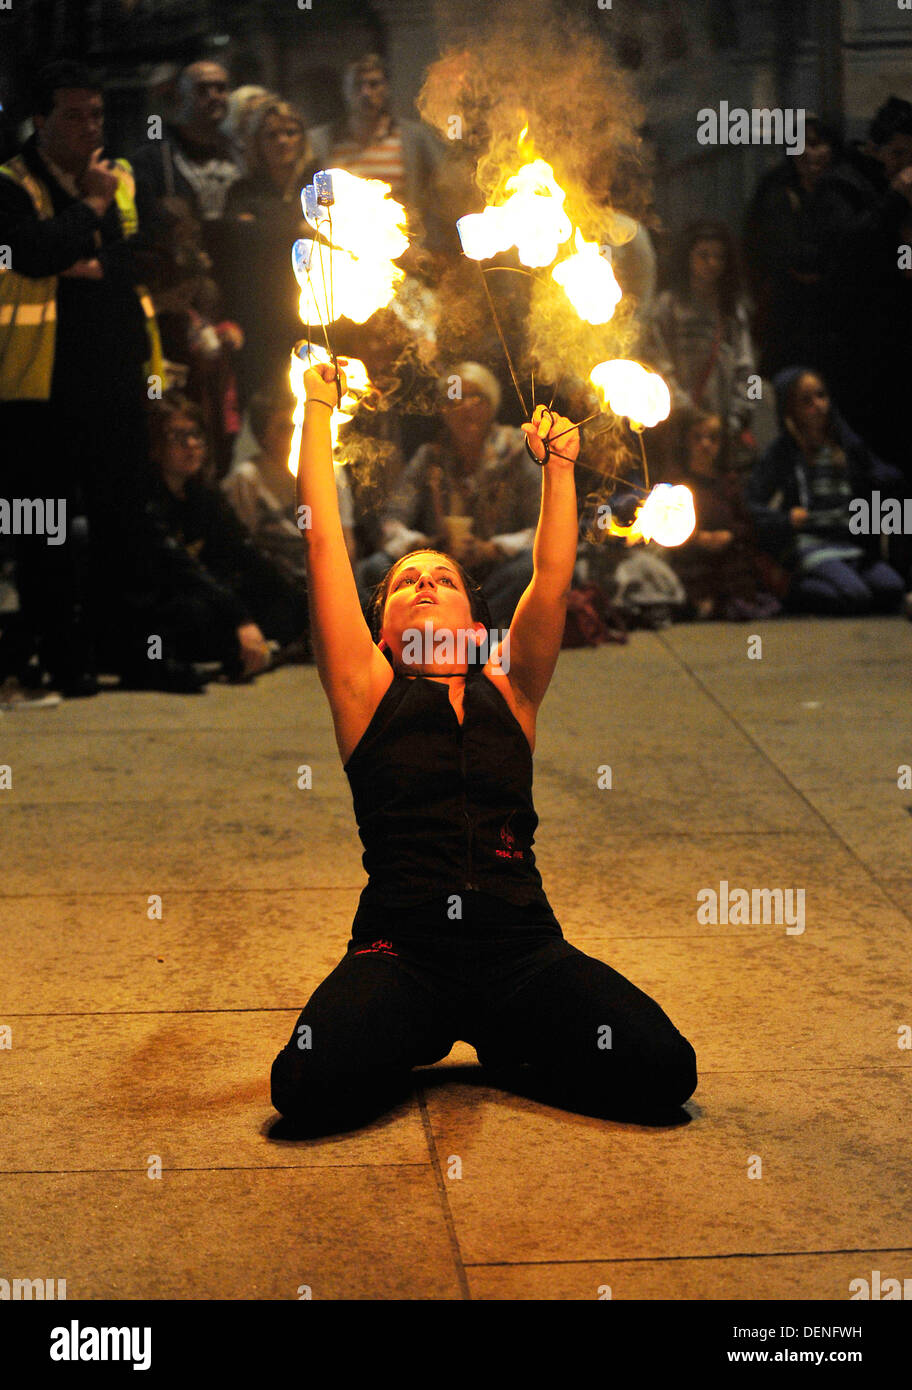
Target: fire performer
[[454, 937]]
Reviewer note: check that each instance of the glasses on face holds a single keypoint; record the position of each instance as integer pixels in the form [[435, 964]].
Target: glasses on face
[[191, 436]]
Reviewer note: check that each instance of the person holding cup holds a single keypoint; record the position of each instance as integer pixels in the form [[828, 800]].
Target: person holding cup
[[473, 491]]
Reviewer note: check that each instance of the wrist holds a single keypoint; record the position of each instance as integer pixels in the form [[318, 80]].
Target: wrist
[[318, 400]]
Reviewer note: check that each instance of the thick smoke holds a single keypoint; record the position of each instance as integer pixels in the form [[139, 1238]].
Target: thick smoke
[[538, 83]]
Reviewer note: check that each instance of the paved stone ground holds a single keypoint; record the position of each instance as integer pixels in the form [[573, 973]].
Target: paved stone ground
[[134, 1038]]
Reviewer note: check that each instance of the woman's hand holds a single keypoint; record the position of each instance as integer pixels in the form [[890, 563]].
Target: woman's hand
[[253, 648], [320, 382], [546, 425]]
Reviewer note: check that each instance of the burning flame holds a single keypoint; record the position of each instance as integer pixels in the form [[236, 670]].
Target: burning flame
[[588, 281], [363, 218], [631, 390], [335, 284], [667, 516], [357, 384], [532, 219], [350, 272]]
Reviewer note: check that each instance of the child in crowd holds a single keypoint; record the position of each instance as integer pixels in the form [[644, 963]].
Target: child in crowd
[[720, 566]]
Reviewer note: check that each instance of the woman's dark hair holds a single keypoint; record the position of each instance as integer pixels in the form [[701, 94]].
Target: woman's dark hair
[[478, 604], [730, 283], [161, 415]]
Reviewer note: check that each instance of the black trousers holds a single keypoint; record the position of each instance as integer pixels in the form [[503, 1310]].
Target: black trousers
[[546, 1020]]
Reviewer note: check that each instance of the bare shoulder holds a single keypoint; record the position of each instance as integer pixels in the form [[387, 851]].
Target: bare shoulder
[[354, 704], [522, 709]]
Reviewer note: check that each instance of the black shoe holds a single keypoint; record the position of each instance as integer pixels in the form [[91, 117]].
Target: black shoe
[[168, 675], [78, 685]]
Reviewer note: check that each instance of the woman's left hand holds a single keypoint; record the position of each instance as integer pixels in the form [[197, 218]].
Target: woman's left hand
[[547, 425]]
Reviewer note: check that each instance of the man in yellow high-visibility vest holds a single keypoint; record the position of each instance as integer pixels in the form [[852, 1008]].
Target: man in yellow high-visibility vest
[[77, 344]]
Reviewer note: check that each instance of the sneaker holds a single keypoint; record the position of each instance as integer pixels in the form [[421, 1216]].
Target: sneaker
[[14, 697]]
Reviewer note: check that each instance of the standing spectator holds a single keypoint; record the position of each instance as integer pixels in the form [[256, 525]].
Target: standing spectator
[[373, 143], [799, 494], [699, 332], [786, 246], [263, 220], [73, 344], [193, 161], [473, 492], [243, 104]]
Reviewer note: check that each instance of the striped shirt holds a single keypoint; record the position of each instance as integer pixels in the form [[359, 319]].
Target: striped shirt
[[382, 159]]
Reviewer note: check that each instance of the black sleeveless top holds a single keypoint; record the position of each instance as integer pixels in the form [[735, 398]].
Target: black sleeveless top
[[444, 808]]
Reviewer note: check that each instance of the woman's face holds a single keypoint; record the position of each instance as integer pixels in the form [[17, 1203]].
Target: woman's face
[[426, 588], [705, 441], [185, 448], [811, 408], [707, 263], [281, 143]]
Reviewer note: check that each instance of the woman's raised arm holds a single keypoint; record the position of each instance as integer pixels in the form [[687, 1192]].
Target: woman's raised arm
[[537, 628], [342, 643]]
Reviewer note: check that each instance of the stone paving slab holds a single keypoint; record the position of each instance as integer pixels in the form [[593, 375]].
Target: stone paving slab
[[106, 1091], [776, 1278], [345, 1233], [650, 885], [833, 1144], [766, 774]]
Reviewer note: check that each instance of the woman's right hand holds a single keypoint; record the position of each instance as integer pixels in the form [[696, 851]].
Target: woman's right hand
[[798, 516], [320, 382]]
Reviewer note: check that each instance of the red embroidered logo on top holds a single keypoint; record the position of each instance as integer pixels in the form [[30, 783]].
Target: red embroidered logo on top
[[509, 841], [385, 946]]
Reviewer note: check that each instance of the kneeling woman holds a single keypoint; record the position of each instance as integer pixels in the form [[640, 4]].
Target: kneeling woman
[[454, 938]]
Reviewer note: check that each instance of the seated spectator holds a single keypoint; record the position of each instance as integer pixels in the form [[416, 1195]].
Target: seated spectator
[[263, 221], [198, 340], [262, 490], [799, 494], [719, 565], [474, 492], [234, 600], [699, 335]]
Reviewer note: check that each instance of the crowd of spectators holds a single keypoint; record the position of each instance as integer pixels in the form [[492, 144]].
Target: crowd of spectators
[[147, 315]]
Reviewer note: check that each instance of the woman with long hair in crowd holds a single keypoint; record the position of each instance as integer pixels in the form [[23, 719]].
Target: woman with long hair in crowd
[[454, 937], [263, 218], [699, 335], [799, 495]]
